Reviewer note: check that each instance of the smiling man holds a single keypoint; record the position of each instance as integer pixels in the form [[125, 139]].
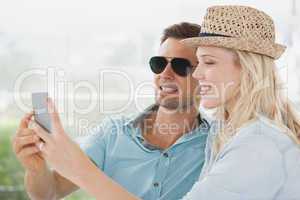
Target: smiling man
[[158, 154]]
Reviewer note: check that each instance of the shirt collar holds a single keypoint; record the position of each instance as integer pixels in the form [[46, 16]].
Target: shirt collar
[[202, 128]]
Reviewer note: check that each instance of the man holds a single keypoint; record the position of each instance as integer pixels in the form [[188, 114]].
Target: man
[[155, 155]]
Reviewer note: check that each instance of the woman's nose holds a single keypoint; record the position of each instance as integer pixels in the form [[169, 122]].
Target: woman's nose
[[198, 73]]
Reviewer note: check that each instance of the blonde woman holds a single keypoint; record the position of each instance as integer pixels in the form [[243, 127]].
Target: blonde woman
[[253, 150]]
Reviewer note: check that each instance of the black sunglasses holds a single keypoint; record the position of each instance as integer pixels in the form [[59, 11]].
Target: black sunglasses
[[181, 66]]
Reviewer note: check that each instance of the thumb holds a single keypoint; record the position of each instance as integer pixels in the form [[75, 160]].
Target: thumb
[[55, 120]]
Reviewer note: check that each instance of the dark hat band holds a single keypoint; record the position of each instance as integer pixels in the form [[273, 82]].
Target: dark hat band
[[212, 35]]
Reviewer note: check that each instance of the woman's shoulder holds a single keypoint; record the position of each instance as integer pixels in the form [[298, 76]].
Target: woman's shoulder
[[264, 132]]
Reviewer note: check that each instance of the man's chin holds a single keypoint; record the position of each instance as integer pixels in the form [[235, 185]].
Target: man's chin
[[169, 105], [174, 104]]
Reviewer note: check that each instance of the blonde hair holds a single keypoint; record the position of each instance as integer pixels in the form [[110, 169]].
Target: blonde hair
[[258, 93]]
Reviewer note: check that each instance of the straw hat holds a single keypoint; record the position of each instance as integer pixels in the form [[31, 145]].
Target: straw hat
[[238, 27]]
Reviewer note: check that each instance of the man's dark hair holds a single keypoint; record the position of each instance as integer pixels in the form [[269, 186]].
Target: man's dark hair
[[181, 31]]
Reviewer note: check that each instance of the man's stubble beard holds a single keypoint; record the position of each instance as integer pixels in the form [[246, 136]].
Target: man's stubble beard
[[175, 104]]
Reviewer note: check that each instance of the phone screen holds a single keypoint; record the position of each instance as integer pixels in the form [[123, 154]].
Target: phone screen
[[40, 108]]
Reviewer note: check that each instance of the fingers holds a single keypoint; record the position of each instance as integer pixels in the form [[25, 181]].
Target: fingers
[[22, 141], [44, 148], [24, 132], [42, 133], [55, 120], [28, 151], [17, 145], [41, 154], [40, 145], [25, 121]]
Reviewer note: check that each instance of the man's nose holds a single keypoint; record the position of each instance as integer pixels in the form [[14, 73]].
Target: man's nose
[[168, 72]]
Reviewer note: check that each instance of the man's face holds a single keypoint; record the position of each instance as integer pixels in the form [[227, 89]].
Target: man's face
[[171, 90]]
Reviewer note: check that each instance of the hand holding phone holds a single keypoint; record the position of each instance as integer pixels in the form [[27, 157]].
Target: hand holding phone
[[41, 115]]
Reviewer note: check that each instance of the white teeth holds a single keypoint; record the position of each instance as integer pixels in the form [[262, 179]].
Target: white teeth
[[205, 89], [168, 89]]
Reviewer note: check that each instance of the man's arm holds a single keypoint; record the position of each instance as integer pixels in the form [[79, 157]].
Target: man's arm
[[48, 185], [64, 187], [39, 184]]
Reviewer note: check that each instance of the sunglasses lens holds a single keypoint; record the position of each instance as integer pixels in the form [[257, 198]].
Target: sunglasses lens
[[158, 64], [181, 66]]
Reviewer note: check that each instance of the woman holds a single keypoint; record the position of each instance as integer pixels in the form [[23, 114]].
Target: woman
[[254, 153]]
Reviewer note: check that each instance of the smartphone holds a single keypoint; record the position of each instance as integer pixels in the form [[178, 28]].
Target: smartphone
[[40, 108]]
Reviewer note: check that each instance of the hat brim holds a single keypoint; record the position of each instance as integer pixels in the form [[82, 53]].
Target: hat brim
[[267, 48]]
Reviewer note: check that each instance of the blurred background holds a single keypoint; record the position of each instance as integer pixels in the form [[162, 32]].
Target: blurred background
[[92, 58]]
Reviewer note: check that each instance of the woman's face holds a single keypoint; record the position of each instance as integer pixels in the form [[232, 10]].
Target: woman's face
[[218, 73]]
